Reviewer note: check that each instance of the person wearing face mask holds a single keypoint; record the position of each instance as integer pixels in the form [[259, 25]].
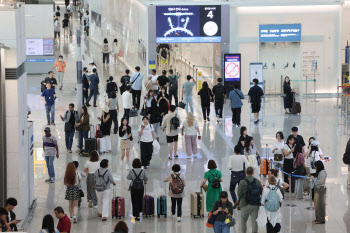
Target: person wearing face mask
[[60, 67]]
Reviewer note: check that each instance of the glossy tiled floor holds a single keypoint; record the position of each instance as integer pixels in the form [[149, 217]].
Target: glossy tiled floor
[[319, 119]]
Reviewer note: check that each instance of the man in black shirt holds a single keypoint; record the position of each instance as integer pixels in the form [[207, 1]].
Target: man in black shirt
[[298, 139], [162, 81], [255, 93], [85, 82], [70, 119], [125, 81], [51, 80], [11, 203], [219, 92], [111, 86]]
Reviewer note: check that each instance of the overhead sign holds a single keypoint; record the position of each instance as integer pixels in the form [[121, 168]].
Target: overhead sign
[[40, 47], [188, 24], [280, 33], [232, 66], [256, 72]]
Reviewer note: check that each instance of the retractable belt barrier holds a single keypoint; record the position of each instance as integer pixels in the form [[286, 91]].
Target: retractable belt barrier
[[289, 174]]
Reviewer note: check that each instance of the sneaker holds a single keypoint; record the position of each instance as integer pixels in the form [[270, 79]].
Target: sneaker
[[189, 157], [194, 156], [48, 123], [205, 120], [52, 180], [47, 180], [95, 207], [126, 166], [179, 219], [255, 122], [173, 216], [70, 151], [75, 219], [90, 204], [53, 123], [235, 205], [237, 126], [78, 151], [71, 219]]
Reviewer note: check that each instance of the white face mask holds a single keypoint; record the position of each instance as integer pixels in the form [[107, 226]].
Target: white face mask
[[60, 59]]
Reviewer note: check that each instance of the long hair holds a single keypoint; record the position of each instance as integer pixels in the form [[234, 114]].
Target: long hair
[[190, 119], [94, 156], [319, 166], [243, 128], [121, 122], [149, 94], [70, 176], [247, 143], [205, 86], [297, 149], [286, 83], [85, 110], [48, 223]]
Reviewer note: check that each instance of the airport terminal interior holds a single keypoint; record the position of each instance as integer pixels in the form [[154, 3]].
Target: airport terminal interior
[[243, 47]]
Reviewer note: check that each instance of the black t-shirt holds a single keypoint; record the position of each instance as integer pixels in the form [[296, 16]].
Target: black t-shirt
[[221, 216], [162, 80], [125, 80], [72, 118], [111, 86], [219, 92], [299, 140], [255, 94], [51, 81], [65, 23], [240, 140]]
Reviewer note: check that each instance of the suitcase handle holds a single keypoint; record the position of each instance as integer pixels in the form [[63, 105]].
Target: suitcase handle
[[114, 191], [93, 128]]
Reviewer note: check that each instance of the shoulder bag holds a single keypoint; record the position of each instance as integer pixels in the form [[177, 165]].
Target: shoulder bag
[[239, 96], [135, 80]]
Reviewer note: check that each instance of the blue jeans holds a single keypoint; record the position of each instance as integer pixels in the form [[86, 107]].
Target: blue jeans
[[50, 108], [69, 139], [93, 92], [50, 168], [235, 179], [82, 134], [221, 227], [188, 101]]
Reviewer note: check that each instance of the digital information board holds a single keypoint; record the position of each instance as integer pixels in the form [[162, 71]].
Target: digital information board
[[40, 47], [280, 33], [188, 24], [232, 66]]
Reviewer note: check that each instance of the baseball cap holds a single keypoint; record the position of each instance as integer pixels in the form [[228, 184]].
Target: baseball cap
[[223, 194], [47, 129], [314, 143]]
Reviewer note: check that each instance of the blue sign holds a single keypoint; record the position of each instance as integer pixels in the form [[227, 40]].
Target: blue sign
[[40, 60], [280, 33], [188, 24]]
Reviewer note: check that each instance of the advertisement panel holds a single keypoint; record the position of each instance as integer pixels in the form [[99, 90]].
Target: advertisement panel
[[280, 33], [232, 66], [40, 47], [256, 72]]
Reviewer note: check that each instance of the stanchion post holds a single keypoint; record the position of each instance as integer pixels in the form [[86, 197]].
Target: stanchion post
[[290, 191], [311, 207]]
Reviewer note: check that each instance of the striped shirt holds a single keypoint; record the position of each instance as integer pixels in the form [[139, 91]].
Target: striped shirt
[[50, 145]]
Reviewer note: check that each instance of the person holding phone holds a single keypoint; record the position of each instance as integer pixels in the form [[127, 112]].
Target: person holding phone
[[288, 151], [222, 209], [163, 101], [125, 141], [191, 128]]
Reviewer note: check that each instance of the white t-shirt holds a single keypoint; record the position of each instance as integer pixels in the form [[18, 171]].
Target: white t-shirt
[[312, 155], [279, 146], [148, 101], [154, 81], [290, 156], [92, 166], [146, 135], [191, 130], [127, 100]]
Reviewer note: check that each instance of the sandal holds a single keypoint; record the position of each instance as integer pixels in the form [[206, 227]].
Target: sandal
[[170, 158], [176, 156], [104, 219], [99, 214]]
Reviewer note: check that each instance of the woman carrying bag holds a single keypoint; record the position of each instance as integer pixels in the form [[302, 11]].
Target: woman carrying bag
[[83, 127], [106, 124], [300, 169], [71, 180], [163, 101], [222, 213], [319, 182], [125, 141], [206, 97], [90, 168], [288, 95]]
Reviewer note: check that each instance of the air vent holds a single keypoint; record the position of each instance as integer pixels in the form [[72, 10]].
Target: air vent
[[15, 73]]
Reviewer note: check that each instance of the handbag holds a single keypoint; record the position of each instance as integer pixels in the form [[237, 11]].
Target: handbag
[[81, 193], [299, 171], [230, 221], [278, 157], [143, 111], [133, 113], [182, 105]]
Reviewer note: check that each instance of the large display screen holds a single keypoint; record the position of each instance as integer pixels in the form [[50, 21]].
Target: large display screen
[[40, 47], [188, 24], [280, 33], [232, 65]]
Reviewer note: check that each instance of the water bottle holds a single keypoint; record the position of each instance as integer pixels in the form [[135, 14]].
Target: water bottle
[[141, 216]]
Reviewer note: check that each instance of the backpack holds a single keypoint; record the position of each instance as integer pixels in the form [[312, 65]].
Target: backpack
[[176, 185], [155, 116], [164, 53], [272, 203], [253, 193], [137, 184], [173, 82], [101, 185], [174, 123], [219, 92], [216, 182], [105, 48], [280, 188]]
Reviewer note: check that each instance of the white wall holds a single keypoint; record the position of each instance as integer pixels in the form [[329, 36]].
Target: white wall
[[39, 21], [321, 36]]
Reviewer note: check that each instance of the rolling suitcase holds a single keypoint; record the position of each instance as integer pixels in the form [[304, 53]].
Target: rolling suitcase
[[101, 145], [148, 205], [162, 205], [296, 107], [197, 204], [118, 206], [265, 163], [90, 143]]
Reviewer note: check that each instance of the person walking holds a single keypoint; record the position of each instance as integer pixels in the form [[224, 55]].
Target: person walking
[[94, 80], [49, 96], [127, 102], [222, 209], [51, 80], [187, 92], [171, 123], [277, 150], [125, 141], [48, 225], [214, 178], [105, 52], [65, 25], [70, 119], [85, 82], [136, 81], [125, 79], [138, 179], [255, 93], [190, 127], [173, 87], [242, 138], [272, 198], [206, 97], [60, 67], [106, 124], [103, 179], [249, 200], [220, 97], [113, 110], [111, 86], [237, 164], [147, 135], [154, 78], [235, 101], [64, 223], [57, 29], [87, 23], [288, 95], [288, 151], [253, 156], [176, 190], [163, 81], [115, 50], [163, 102], [90, 168], [319, 180], [50, 149], [83, 127], [155, 117], [148, 100], [71, 180]]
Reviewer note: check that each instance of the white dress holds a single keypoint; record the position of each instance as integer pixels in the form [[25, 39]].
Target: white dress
[[273, 217]]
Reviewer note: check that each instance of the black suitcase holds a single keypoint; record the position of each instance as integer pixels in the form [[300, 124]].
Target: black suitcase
[[90, 143]]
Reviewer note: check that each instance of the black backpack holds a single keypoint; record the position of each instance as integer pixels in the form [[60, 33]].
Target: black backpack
[[173, 82], [174, 122], [253, 193], [219, 92], [137, 184], [155, 116], [164, 53], [216, 182]]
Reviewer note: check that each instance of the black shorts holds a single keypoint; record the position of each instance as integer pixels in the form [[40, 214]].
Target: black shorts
[[170, 139], [256, 108]]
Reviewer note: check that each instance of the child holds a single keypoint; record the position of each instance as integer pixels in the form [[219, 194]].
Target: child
[[79, 175]]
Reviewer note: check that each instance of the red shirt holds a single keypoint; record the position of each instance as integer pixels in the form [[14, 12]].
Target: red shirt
[[64, 224]]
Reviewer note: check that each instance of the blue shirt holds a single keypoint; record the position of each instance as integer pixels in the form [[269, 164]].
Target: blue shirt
[[188, 86], [136, 85], [49, 98], [94, 81], [235, 98]]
